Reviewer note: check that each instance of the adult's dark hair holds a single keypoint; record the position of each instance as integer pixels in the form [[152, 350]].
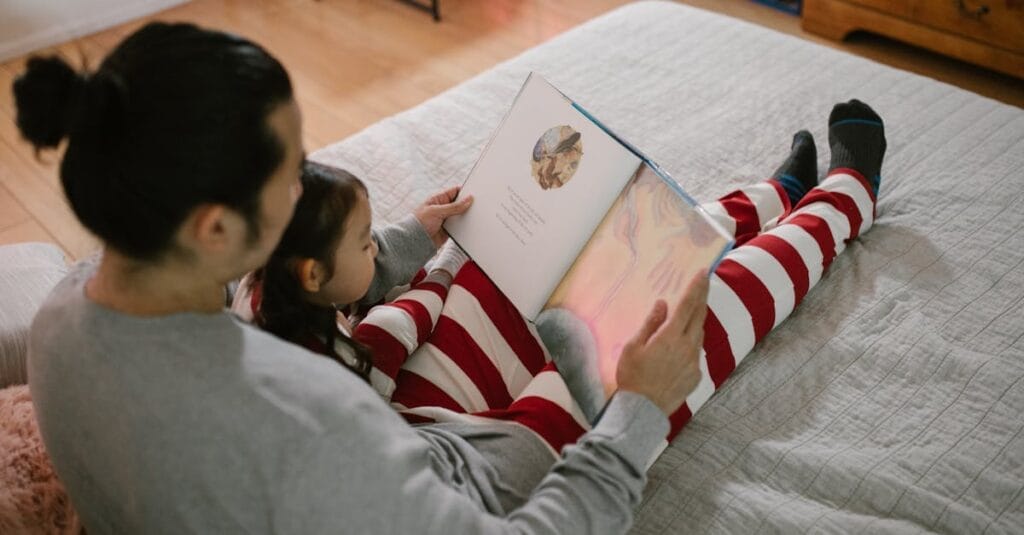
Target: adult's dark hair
[[174, 117], [315, 231]]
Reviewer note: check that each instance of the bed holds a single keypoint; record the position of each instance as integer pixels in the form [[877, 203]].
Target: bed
[[892, 400]]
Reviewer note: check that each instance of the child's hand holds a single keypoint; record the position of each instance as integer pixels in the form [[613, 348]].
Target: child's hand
[[432, 213]]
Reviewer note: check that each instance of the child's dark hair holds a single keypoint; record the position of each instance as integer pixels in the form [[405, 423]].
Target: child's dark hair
[[315, 231], [174, 117]]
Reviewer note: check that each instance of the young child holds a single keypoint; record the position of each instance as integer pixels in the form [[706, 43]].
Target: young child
[[294, 294], [324, 264]]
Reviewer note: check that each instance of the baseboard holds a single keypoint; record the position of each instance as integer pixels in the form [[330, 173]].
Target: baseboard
[[83, 26]]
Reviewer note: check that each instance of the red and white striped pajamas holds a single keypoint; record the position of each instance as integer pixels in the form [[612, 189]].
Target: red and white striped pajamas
[[464, 353], [780, 254]]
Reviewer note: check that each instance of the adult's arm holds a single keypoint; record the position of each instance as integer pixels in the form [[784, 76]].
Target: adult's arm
[[370, 481]]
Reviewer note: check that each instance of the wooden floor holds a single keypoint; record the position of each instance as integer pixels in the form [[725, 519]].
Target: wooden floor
[[354, 62]]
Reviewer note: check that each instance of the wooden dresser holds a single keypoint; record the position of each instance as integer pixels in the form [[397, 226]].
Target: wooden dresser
[[985, 32]]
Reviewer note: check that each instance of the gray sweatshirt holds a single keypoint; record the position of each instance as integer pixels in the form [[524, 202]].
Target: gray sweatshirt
[[201, 423]]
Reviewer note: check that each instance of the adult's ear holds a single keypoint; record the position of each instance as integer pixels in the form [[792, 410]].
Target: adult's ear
[[213, 228], [311, 274]]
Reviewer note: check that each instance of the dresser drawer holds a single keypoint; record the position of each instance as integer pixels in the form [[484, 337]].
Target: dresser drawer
[[992, 37], [998, 23], [899, 8]]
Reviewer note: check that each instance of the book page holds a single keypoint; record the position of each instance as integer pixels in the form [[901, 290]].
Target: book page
[[648, 247], [540, 188]]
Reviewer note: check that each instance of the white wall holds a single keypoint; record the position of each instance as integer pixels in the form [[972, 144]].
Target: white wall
[[28, 25]]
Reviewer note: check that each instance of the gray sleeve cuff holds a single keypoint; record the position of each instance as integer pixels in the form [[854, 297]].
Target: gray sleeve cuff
[[634, 426], [404, 247]]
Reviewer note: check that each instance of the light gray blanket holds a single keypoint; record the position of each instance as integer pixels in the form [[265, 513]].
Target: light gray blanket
[[892, 400]]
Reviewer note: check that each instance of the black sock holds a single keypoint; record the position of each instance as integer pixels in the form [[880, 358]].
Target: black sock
[[856, 136], [799, 173]]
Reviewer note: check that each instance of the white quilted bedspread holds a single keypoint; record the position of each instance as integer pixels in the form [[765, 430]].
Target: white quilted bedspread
[[892, 400]]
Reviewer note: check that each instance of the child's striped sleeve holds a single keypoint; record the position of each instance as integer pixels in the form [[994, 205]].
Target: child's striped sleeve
[[394, 330]]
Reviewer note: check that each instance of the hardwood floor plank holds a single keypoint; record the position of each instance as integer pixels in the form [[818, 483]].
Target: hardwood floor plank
[[26, 231], [48, 207], [11, 212]]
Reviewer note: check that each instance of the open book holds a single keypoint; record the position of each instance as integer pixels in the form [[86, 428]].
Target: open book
[[569, 221]]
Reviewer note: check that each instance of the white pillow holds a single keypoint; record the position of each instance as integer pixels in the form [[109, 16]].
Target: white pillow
[[28, 271]]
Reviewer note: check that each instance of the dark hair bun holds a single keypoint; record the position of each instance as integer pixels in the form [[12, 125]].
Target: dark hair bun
[[46, 97]]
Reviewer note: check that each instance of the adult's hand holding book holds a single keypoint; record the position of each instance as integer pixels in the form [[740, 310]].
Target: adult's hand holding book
[[661, 361]]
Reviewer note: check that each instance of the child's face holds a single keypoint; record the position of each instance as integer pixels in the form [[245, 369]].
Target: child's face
[[353, 261]]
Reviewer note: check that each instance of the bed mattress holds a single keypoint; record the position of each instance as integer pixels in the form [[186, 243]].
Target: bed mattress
[[892, 400]]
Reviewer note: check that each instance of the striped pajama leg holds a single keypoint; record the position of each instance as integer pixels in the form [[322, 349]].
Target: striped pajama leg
[[484, 362], [749, 210], [781, 255]]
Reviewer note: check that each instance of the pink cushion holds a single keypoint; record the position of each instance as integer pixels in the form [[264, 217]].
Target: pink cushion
[[32, 499]]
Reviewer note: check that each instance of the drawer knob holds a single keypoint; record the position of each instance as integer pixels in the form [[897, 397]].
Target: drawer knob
[[975, 14]]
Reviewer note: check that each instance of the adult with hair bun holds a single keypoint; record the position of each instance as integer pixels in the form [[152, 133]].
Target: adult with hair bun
[[165, 413]]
